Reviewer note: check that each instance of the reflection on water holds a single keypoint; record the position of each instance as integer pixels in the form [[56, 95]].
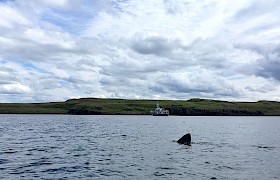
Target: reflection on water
[[138, 147]]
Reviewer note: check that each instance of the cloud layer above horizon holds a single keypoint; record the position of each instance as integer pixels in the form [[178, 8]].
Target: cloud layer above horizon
[[54, 50]]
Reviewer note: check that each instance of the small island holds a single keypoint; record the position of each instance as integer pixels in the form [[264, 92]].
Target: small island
[[103, 106]]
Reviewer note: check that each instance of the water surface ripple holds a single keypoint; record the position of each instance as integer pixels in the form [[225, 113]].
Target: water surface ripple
[[138, 147]]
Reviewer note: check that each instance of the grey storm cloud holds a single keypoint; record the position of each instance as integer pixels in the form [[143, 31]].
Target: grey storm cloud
[[155, 45], [268, 63], [269, 68]]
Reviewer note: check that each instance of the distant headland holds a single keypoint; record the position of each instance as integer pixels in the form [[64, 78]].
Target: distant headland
[[102, 106]]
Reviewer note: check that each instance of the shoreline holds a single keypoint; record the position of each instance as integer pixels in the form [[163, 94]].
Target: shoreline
[[192, 107]]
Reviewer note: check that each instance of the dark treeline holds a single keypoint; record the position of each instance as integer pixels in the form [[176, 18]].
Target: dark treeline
[[85, 110], [213, 112]]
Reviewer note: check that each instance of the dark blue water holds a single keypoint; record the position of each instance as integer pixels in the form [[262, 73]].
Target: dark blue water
[[138, 147]]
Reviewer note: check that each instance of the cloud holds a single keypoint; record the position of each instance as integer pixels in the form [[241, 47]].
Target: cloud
[[266, 62], [179, 49], [202, 83], [55, 3], [154, 45], [11, 18], [9, 84], [270, 68], [7, 75], [14, 89]]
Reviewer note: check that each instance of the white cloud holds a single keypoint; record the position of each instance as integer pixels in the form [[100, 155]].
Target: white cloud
[[53, 38], [170, 49], [14, 89], [11, 18]]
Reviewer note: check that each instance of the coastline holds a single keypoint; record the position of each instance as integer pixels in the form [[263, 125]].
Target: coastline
[[192, 107]]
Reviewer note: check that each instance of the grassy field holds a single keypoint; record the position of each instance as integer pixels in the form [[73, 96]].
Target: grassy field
[[143, 107]]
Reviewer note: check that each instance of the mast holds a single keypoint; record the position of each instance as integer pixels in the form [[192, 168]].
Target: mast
[[157, 104]]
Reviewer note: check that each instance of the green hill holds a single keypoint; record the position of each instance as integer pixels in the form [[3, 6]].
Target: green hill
[[96, 106]]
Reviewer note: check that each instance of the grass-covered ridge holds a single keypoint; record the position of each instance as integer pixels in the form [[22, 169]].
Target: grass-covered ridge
[[143, 107]]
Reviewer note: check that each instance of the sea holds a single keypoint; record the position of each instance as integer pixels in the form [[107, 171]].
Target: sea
[[139, 147]]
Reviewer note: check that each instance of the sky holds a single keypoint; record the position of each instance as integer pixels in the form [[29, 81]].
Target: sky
[[54, 50]]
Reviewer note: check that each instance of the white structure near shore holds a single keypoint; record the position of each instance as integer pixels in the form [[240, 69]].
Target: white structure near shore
[[159, 111]]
